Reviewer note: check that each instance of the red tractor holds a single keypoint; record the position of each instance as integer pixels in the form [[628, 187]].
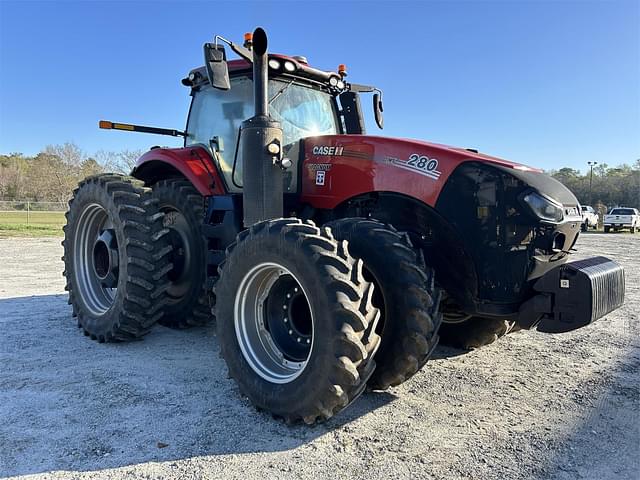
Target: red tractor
[[329, 257]]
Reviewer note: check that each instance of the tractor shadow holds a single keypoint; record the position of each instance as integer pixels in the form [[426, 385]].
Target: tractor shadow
[[69, 403]]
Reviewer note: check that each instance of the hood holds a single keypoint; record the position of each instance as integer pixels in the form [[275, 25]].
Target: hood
[[470, 154], [413, 167]]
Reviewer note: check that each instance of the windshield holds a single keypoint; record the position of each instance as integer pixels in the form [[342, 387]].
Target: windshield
[[622, 211], [302, 112]]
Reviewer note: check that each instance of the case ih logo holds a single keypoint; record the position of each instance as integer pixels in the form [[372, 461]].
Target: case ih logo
[[420, 164], [327, 150]]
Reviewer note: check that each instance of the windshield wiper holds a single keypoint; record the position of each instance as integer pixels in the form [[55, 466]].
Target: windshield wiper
[[281, 91]]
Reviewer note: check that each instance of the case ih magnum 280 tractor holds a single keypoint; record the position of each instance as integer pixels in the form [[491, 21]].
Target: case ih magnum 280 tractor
[[330, 258]]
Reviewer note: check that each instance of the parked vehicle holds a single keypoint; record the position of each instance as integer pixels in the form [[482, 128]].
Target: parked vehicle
[[344, 292], [589, 217], [621, 218]]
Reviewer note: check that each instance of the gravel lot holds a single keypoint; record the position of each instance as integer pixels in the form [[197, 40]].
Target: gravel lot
[[530, 406]]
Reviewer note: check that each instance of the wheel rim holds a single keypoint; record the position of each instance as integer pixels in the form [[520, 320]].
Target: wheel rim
[[96, 255], [181, 275], [273, 323]]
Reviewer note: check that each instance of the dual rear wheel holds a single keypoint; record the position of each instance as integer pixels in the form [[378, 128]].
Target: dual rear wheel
[[116, 256], [135, 256]]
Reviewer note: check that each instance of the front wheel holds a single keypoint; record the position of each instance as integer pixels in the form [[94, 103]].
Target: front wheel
[[294, 317]]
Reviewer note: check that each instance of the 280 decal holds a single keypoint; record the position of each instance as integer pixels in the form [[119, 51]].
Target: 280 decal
[[420, 164]]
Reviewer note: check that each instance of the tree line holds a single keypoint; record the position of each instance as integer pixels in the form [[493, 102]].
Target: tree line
[[52, 174], [609, 187]]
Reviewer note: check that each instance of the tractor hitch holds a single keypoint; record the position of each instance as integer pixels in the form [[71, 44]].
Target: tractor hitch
[[574, 295]]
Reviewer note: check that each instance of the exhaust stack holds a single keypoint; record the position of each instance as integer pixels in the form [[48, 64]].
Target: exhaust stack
[[261, 147]]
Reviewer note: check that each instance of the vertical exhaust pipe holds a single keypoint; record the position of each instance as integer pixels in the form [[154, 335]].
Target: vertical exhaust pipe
[[261, 147]]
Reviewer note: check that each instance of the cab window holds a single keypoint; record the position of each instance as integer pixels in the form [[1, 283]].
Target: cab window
[[217, 115]]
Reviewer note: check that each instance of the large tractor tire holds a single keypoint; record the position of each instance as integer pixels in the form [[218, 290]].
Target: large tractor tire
[[187, 299], [469, 332], [295, 320], [116, 258], [404, 292]]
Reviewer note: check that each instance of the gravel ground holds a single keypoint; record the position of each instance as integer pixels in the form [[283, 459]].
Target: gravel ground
[[530, 406]]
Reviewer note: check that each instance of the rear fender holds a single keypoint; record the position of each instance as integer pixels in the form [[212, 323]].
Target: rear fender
[[193, 163]]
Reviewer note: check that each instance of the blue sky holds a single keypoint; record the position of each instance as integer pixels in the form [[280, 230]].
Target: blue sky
[[548, 83]]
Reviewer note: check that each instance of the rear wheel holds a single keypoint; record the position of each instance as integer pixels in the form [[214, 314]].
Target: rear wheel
[[187, 302], [293, 319], [607, 229], [404, 293], [116, 258]]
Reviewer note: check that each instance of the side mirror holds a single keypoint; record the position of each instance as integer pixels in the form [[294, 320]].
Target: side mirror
[[378, 109], [215, 61]]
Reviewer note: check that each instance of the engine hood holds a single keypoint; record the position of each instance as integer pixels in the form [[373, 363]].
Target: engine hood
[[468, 154], [361, 163]]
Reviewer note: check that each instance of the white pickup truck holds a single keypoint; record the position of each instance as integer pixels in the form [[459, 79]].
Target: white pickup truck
[[589, 217], [620, 218]]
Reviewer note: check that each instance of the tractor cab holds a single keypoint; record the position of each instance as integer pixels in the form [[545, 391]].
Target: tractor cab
[[306, 102]]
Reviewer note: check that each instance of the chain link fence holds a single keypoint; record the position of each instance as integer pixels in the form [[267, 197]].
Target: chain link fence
[[32, 213]]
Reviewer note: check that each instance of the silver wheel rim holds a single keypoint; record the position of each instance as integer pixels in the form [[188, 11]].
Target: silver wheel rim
[[87, 252], [258, 347]]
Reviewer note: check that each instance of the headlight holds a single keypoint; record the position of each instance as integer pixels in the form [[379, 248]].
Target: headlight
[[544, 208], [333, 81], [275, 64], [289, 66]]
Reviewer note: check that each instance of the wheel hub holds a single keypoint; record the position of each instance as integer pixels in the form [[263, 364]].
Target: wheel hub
[[105, 258], [288, 318], [273, 323], [183, 271]]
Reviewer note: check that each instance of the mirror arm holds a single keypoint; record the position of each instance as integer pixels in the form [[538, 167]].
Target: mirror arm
[[245, 53]]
